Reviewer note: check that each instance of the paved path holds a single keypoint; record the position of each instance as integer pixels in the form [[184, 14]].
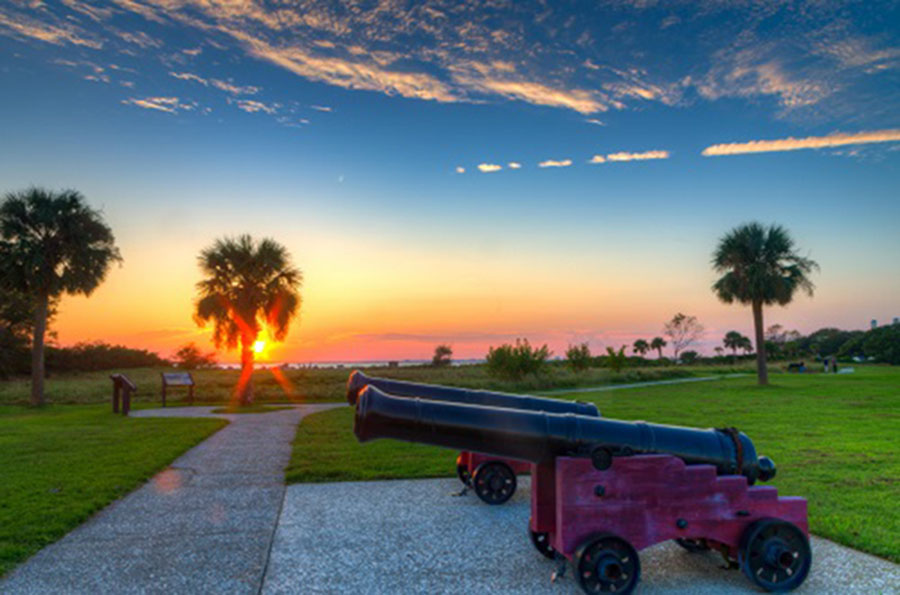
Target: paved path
[[412, 536], [608, 387], [203, 525]]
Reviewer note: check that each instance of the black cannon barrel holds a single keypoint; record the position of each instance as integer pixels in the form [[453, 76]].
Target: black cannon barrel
[[432, 392], [539, 436]]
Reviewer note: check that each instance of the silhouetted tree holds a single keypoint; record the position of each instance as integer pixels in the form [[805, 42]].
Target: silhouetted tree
[[579, 357], [189, 357], [658, 343], [247, 284], [51, 243], [734, 340], [683, 331], [760, 267], [641, 347], [443, 355]]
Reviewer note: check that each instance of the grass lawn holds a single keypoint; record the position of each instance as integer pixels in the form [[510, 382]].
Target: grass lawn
[[61, 464], [835, 439], [325, 384]]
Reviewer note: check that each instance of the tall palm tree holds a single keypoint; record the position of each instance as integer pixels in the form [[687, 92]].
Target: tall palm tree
[[247, 284], [760, 267], [641, 347], [51, 243], [658, 343]]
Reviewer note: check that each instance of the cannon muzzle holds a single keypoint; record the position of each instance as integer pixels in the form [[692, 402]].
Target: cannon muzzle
[[485, 398], [540, 436]]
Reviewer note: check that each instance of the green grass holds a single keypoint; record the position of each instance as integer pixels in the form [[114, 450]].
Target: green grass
[[61, 464], [835, 439], [254, 408], [323, 385]]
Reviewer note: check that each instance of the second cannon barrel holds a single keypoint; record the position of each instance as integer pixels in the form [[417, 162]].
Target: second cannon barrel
[[540, 436], [432, 392]]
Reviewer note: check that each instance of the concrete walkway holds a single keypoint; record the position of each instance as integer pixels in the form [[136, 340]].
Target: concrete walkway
[[413, 536], [203, 525]]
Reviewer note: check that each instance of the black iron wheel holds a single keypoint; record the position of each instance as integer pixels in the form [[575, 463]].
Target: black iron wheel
[[775, 555], [494, 482], [462, 471], [607, 564], [541, 543], [694, 546]]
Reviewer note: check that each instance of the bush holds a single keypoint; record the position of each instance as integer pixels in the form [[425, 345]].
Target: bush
[[616, 360], [189, 357], [579, 357], [883, 343], [443, 355], [514, 362], [689, 357]]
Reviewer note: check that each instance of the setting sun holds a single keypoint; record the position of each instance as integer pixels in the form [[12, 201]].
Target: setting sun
[[259, 346]]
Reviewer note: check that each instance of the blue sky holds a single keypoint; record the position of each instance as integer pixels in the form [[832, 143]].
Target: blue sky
[[342, 129]]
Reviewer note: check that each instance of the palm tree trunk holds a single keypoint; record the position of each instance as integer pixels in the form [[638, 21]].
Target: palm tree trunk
[[37, 351], [762, 373], [245, 385]]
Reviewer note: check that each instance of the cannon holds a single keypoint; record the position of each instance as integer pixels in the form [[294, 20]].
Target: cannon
[[604, 489], [492, 478]]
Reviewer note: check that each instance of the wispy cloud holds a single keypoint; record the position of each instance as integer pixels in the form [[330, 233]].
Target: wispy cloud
[[169, 105], [57, 35], [555, 163], [514, 165], [489, 167], [460, 169], [229, 87], [836, 139], [597, 159], [226, 86], [624, 156], [595, 122], [321, 108], [250, 106]]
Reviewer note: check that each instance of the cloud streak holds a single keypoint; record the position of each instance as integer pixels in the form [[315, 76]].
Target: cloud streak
[[646, 155], [171, 105], [837, 139], [488, 168], [555, 163]]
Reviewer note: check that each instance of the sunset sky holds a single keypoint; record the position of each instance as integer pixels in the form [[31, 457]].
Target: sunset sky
[[462, 172]]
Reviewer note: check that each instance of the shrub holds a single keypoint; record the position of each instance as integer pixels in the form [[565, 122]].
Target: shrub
[[516, 361], [616, 360], [443, 355], [689, 357], [189, 357], [579, 357], [883, 343]]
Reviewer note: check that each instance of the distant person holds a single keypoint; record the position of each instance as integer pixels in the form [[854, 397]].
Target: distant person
[[825, 362], [834, 366]]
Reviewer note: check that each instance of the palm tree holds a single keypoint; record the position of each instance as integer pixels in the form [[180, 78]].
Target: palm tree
[[760, 267], [641, 347], [247, 284], [51, 243], [658, 343], [734, 340]]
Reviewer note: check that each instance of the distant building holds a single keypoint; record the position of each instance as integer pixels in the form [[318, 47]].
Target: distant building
[[874, 323], [896, 320]]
